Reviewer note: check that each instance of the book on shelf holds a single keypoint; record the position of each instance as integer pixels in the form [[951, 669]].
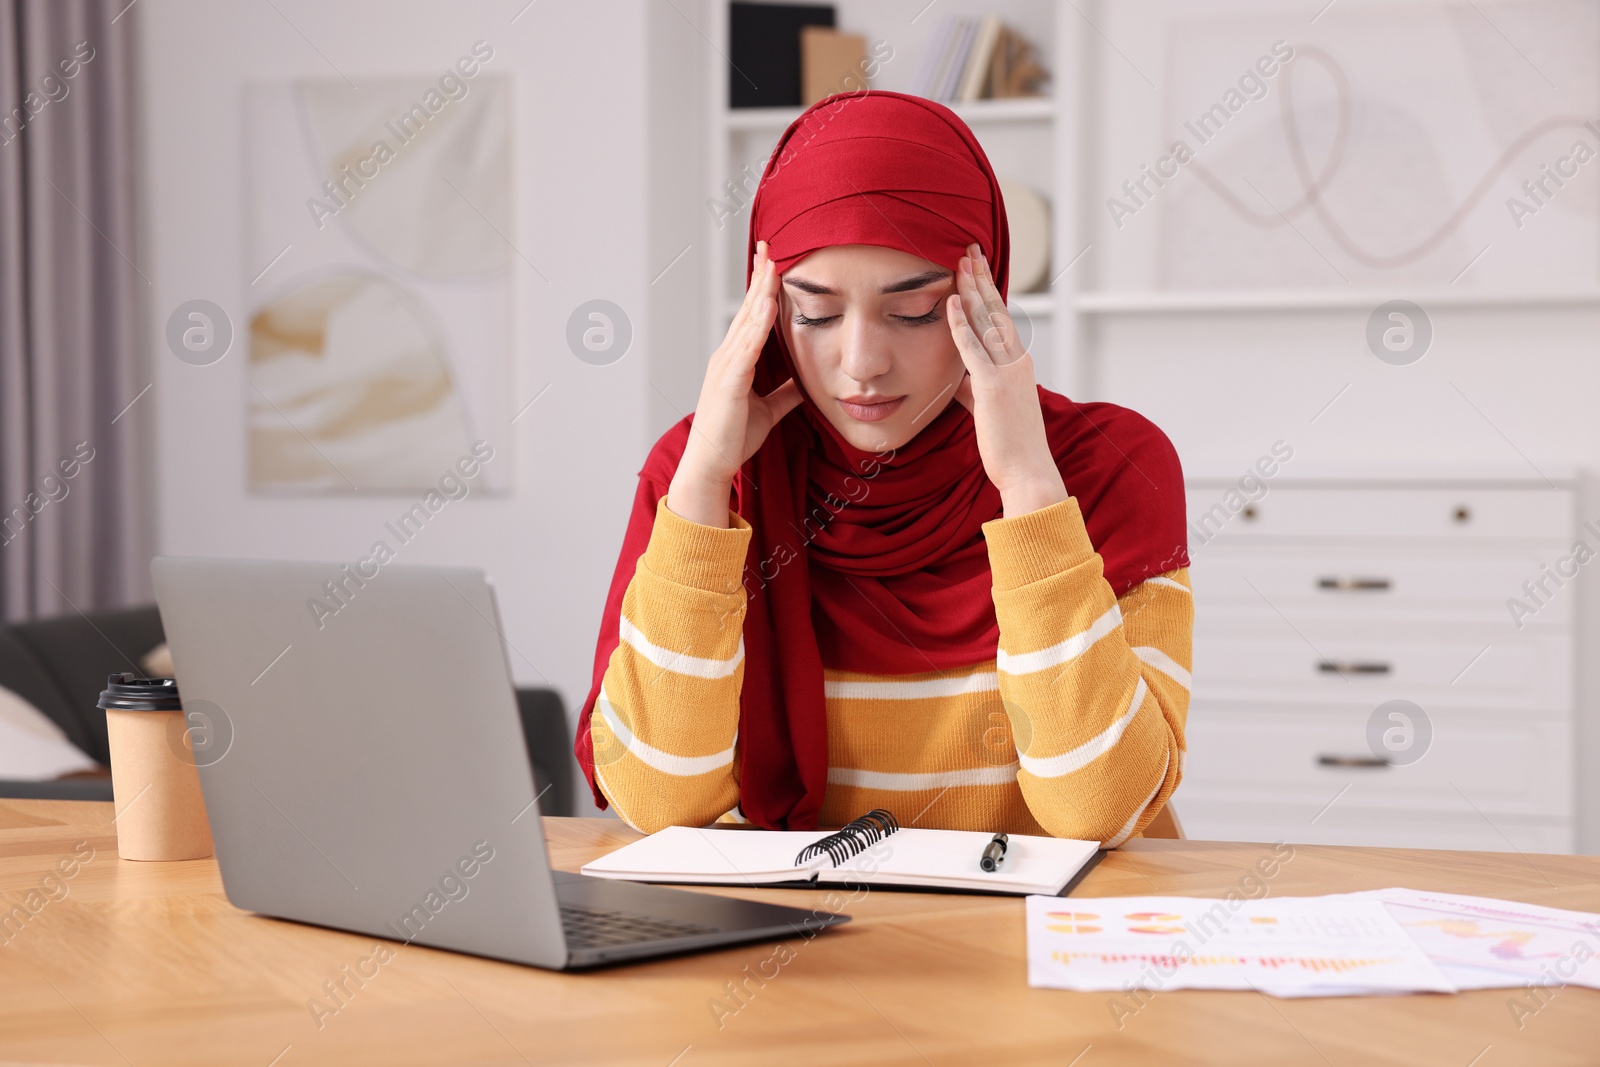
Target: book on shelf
[[1012, 68], [975, 77], [932, 55], [830, 62], [958, 59], [939, 57], [968, 59], [764, 63]]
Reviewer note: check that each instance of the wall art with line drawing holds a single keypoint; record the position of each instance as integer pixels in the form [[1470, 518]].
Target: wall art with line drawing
[[1427, 143], [379, 275]]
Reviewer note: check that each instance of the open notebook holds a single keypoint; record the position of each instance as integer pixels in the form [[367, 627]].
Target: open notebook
[[873, 850]]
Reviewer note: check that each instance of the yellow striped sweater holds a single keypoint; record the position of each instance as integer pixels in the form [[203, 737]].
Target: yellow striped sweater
[[1075, 729]]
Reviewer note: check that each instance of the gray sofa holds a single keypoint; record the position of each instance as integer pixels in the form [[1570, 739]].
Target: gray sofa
[[59, 665]]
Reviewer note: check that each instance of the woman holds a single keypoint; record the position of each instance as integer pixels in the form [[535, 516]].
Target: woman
[[936, 587]]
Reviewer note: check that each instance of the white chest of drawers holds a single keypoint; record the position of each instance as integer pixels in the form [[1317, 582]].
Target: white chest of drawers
[[1317, 602]]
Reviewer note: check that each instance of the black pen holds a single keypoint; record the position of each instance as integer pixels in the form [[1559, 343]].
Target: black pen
[[994, 853]]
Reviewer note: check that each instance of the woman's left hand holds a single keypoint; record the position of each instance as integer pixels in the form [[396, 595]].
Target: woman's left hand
[[1001, 392]]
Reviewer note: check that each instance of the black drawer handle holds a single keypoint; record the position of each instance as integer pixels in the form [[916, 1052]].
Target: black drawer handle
[[1329, 666], [1351, 585], [1351, 761]]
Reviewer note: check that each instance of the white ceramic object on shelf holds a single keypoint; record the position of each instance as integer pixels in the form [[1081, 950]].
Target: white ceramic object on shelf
[[1028, 216]]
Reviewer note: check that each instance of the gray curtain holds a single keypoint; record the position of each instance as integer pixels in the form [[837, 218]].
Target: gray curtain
[[74, 527]]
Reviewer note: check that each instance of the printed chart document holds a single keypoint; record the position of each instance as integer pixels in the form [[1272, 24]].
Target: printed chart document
[[1483, 943], [1286, 946]]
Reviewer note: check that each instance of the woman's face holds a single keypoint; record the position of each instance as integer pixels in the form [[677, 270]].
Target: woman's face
[[867, 324]]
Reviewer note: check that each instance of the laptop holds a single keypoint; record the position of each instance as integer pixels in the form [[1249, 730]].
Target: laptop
[[364, 768]]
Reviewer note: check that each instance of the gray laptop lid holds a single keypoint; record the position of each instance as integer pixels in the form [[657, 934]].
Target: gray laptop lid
[[363, 768]]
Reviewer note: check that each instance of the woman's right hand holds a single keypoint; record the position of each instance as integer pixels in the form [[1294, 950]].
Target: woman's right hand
[[731, 420]]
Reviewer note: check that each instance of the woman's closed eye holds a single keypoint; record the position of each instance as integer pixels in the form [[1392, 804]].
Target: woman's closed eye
[[923, 320], [802, 319]]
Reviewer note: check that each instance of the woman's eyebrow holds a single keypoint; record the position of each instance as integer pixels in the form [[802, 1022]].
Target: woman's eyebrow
[[905, 285]]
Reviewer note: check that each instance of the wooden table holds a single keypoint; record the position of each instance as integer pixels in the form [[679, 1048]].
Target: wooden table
[[147, 963]]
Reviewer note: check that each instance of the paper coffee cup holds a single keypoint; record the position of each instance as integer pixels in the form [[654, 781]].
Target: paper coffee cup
[[161, 814]]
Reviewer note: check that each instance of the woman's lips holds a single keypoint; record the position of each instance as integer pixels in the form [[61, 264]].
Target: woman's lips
[[871, 412]]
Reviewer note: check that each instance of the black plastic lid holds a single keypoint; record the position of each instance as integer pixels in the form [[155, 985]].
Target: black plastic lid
[[127, 692]]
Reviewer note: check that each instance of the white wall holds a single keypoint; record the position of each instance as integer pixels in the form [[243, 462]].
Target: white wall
[[581, 172], [681, 64]]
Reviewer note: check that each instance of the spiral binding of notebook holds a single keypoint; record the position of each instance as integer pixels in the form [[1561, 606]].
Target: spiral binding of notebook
[[854, 838]]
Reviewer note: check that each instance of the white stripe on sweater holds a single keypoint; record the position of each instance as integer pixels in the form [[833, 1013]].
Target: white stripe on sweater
[[1057, 654], [1168, 582], [665, 762], [904, 783], [1163, 663], [678, 662], [1073, 759], [888, 689]]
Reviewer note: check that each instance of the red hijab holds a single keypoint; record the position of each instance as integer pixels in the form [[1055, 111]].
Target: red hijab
[[876, 562]]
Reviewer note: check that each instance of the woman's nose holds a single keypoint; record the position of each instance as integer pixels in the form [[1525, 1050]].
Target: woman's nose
[[865, 354]]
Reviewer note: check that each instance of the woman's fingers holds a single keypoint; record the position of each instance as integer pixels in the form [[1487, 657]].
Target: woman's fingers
[[973, 352], [730, 419], [758, 276], [972, 306], [992, 320], [998, 315], [985, 324], [763, 310], [747, 332], [742, 350]]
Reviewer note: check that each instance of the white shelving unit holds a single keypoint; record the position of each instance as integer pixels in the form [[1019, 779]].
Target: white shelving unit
[[976, 113], [1131, 303]]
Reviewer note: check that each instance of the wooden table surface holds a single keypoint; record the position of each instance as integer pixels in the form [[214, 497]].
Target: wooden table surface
[[147, 963]]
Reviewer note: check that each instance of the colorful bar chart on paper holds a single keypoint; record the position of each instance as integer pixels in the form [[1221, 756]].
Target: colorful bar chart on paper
[[1291, 946]]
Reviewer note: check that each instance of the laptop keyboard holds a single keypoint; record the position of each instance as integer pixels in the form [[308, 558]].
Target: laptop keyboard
[[596, 927]]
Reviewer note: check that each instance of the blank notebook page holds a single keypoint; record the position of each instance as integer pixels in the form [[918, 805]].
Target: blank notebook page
[[690, 852], [943, 857]]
